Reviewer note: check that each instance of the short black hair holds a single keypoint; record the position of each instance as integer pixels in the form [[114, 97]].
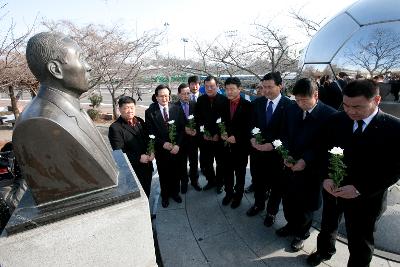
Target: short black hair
[[366, 88], [181, 86], [125, 100], [209, 78], [193, 79], [342, 74], [275, 76], [233, 80], [305, 87]]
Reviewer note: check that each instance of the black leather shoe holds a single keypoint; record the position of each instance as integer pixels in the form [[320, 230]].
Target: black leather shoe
[[165, 203], [177, 199], [297, 244], [219, 189], [269, 220], [184, 187], [249, 189], [196, 186], [253, 211], [227, 199], [316, 258], [284, 231], [236, 203], [208, 186]]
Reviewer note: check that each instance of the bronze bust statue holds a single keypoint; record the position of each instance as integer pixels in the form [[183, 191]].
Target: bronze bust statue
[[60, 151]]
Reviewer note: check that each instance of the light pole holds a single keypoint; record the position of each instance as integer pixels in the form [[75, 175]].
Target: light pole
[[184, 40], [166, 25]]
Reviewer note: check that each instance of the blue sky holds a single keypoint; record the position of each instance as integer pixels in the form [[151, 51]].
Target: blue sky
[[192, 19]]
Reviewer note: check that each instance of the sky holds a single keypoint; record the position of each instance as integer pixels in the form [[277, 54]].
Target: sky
[[190, 19]]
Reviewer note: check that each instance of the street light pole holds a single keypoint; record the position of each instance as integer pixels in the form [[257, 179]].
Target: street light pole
[[184, 40]]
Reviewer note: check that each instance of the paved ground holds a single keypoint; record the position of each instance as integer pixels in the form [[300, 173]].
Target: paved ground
[[202, 232]]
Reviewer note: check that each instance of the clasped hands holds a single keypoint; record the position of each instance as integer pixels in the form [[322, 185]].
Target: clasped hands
[[191, 132], [231, 139], [214, 138], [144, 158], [347, 191], [174, 149]]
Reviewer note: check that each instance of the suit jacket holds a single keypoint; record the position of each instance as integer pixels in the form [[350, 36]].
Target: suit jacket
[[207, 112], [239, 125], [132, 140], [372, 159], [60, 151], [301, 139], [274, 129], [156, 125], [187, 138]]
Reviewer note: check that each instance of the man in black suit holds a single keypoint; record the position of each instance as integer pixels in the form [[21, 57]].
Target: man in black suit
[[130, 134], [161, 117], [209, 108], [189, 148], [303, 179], [369, 139], [236, 151], [267, 165]]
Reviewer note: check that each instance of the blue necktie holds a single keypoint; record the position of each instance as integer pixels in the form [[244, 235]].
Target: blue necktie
[[186, 109], [269, 112]]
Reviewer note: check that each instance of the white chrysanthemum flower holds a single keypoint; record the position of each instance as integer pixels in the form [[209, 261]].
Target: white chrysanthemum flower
[[277, 143], [190, 117], [152, 136], [219, 120], [336, 151], [255, 131], [171, 122], [202, 128]]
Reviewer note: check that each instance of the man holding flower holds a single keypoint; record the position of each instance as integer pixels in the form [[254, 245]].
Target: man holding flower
[[303, 129], [265, 163], [190, 140], [237, 135], [130, 134], [167, 123], [369, 140], [209, 108]]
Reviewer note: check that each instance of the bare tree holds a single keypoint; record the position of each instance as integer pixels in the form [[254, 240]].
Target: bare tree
[[275, 46], [116, 60], [308, 25], [14, 71], [377, 53]]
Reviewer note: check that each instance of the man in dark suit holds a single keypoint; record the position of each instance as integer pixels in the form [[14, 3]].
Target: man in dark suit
[[303, 179], [130, 134], [209, 108], [161, 118], [236, 151], [189, 148], [369, 139], [267, 165]]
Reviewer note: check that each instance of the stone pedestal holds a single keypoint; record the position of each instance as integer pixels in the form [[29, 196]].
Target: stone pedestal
[[110, 229]]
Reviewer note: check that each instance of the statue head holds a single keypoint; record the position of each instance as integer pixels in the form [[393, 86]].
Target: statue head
[[57, 61]]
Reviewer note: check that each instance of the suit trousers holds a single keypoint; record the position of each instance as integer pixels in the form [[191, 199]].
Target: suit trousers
[[190, 153], [267, 174], [236, 161], [144, 173], [169, 170], [213, 150], [361, 215]]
